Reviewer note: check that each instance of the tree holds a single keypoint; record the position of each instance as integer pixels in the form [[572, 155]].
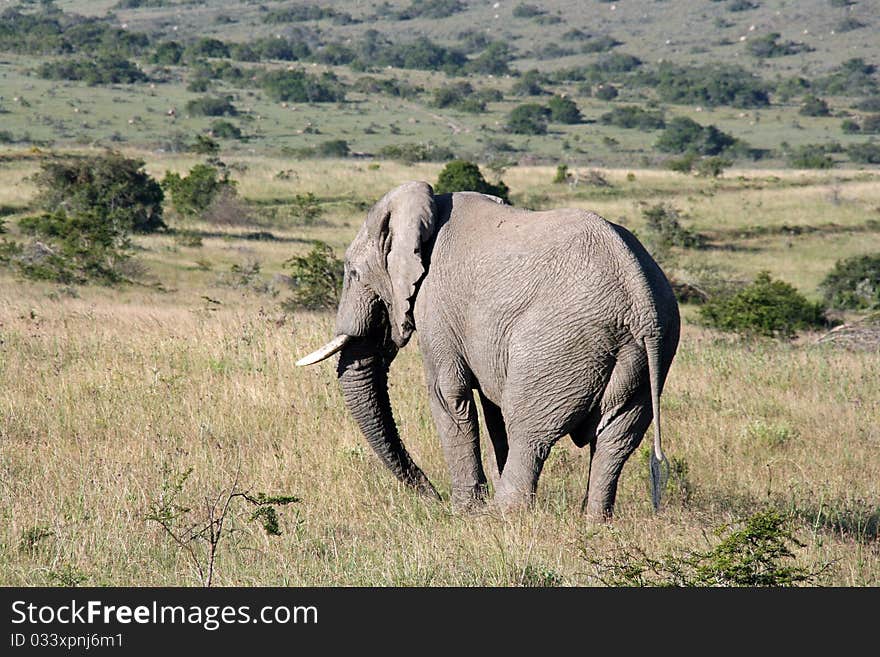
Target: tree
[[193, 194], [853, 284], [814, 106], [564, 110], [92, 206], [111, 186], [765, 307], [461, 176], [686, 135], [528, 119]]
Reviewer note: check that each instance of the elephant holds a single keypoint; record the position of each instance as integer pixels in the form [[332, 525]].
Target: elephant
[[559, 321]]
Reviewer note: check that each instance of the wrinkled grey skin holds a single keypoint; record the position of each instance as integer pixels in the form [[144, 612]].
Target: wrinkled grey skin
[[559, 321]]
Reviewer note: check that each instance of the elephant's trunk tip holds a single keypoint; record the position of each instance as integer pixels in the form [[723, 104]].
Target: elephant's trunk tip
[[324, 352]]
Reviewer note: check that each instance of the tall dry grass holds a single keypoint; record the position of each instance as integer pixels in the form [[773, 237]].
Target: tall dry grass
[[107, 394]]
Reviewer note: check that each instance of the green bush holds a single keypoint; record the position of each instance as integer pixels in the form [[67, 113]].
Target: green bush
[[810, 156], [211, 106], [564, 110], [684, 135], [871, 124], [765, 307], [409, 153], [865, 153], [665, 229], [633, 116], [461, 96], [461, 176], [853, 284], [814, 106], [105, 69], [316, 279], [225, 130], [709, 85], [72, 248], [529, 84], [193, 194], [299, 87], [712, 166], [606, 92], [92, 206], [528, 119], [333, 148], [753, 555], [111, 186], [850, 127], [770, 46]]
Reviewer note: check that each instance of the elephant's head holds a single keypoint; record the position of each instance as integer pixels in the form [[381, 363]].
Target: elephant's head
[[383, 268]]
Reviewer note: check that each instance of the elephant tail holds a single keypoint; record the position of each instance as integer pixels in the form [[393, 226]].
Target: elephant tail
[[659, 463]]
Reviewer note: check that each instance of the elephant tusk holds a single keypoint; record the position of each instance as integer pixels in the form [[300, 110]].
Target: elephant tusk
[[324, 352]]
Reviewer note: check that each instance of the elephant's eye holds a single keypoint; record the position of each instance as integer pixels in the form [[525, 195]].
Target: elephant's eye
[[355, 274]]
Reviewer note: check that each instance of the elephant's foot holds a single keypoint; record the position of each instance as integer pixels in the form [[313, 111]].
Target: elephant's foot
[[469, 499], [512, 500]]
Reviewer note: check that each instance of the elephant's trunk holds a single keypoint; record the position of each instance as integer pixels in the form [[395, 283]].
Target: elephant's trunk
[[364, 381]]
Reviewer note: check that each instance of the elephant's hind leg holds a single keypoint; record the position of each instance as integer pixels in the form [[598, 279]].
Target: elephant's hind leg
[[497, 433]]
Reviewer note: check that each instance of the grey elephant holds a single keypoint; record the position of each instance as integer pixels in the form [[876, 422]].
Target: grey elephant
[[560, 321]]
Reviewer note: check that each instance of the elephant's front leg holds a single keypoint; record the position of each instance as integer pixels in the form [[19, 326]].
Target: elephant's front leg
[[455, 415]]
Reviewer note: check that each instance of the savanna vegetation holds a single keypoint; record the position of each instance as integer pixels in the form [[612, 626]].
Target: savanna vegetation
[[177, 189]]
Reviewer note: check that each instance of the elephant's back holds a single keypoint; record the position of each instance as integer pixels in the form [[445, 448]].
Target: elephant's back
[[507, 259]]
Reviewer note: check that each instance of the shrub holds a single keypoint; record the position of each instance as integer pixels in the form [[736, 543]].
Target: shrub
[[528, 119], [606, 92], [754, 555], [810, 156], [529, 84], [665, 229], [461, 96], [431, 9], [770, 46], [814, 106], [461, 175], [523, 10], [561, 174], [686, 135], [93, 204], [333, 148], [72, 248], [494, 60], [316, 279], [853, 284], [110, 186], [211, 106], [865, 153], [850, 127], [105, 69], [632, 116], [204, 145], [409, 153], [193, 194], [564, 110], [225, 130], [299, 87], [765, 307], [711, 85], [712, 166], [871, 124]]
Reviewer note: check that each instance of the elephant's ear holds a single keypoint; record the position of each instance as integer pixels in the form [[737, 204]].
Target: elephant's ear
[[405, 218]]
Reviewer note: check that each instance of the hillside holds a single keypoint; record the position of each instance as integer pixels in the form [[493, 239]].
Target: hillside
[[790, 83]]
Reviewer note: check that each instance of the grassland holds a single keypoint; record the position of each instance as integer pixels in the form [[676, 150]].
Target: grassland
[[65, 114], [108, 393]]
